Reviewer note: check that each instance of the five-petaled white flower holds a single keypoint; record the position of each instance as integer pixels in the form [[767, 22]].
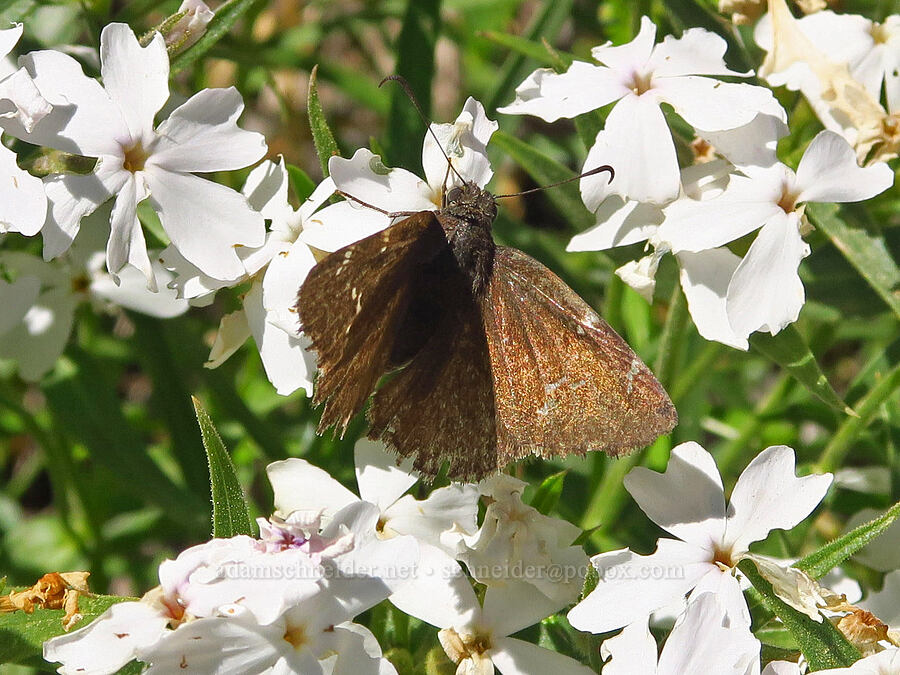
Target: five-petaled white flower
[[764, 291], [639, 76], [206, 221], [688, 501]]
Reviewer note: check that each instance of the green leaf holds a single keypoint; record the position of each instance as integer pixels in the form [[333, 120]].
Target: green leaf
[[819, 563], [529, 49], [226, 16], [415, 62], [326, 146], [547, 494], [230, 516], [789, 350], [546, 171], [865, 251], [823, 645], [22, 635], [301, 183], [866, 408]]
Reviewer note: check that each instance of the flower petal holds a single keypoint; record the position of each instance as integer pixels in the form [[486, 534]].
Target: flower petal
[[136, 78], [637, 142], [631, 652], [697, 52], [465, 142], [23, 203], [706, 103], [300, 486], [9, 37], [619, 223], [70, 197], [84, 119], [28, 106], [517, 657], [439, 592], [39, 340], [631, 56], [341, 224], [380, 478], [747, 203], [132, 293], [288, 365], [768, 496], [202, 135], [16, 298], [753, 144], [205, 221], [704, 279], [828, 172], [703, 642], [632, 586], [231, 336], [550, 95], [765, 291], [126, 245], [365, 178], [451, 509], [514, 606], [687, 500]]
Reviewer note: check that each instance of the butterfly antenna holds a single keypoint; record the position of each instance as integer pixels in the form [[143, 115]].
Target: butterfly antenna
[[600, 169], [399, 79]]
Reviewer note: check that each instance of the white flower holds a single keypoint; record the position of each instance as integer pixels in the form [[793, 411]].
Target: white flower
[[114, 123], [191, 25], [517, 542], [301, 487], [39, 306], [298, 642], [368, 182], [870, 49], [882, 663], [276, 270], [688, 501], [19, 97], [476, 636], [764, 291], [701, 641], [110, 641], [639, 76]]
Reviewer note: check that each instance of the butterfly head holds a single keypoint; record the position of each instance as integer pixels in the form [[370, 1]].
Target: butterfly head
[[470, 203]]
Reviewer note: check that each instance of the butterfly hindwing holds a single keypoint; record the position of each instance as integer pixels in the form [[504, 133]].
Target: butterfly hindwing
[[564, 381], [351, 305], [441, 405]]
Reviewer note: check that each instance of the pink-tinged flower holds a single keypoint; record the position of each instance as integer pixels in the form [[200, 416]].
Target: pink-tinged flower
[[638, 77], [136, 161], [688, 501]]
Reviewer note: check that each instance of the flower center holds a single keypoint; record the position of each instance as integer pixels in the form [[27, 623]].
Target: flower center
[[723, 559], [296, 636], [640, 83], [135, 157], [464, 646], [788, 201], [879, 32]]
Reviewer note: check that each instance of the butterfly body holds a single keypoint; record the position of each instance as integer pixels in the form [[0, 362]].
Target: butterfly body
[[498, 358]]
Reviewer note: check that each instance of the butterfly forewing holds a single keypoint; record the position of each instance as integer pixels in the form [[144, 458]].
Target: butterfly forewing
[[351, 305], [564, 381]]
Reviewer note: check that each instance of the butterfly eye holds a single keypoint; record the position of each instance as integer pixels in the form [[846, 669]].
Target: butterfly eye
[[454, 194]]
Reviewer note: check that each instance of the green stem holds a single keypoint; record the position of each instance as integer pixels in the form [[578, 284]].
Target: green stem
[[695, 369], [667, 359], [866, 408]]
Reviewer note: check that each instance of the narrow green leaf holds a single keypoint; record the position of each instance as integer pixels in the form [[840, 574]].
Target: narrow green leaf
[[547, 494], [789, 350], [529, 49], [848, 433], [226, 16], [415, 62], [301, 183], [866, 252], [326, 146], [819, 563], [822, 644], [546, 171], [230, 515], [22, 635]]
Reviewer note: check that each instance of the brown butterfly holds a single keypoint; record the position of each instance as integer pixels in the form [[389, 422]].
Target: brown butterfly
[[489, 356]]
